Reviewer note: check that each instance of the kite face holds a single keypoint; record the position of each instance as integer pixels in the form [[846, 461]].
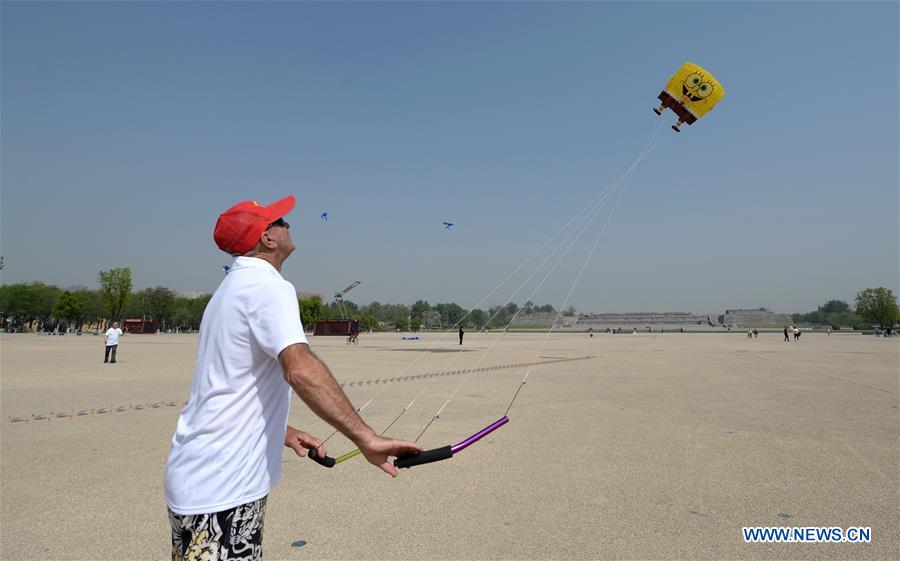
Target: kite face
[[691, 92]]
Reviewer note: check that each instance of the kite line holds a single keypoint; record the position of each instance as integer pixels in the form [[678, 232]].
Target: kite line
[[582, 220]]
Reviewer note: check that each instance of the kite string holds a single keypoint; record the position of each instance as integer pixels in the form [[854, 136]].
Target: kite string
[[620, 184], [599, 200], [655, 141], [587, 219]]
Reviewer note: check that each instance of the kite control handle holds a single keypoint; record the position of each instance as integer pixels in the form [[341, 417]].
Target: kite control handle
[[426, 457], [447, 452], [327, 461]]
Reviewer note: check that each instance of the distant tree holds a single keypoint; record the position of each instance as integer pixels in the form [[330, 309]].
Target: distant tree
[[499, 316], [350, 308], [392, 312], [133, 307], [68, 308], [197, 306], [368, 322], [159, 303], [182, 316], [451, 313], [28, 302], [529, 307], [878, 305], [478, 318], [570, 311], [419, 308], [431, 319], [375, 309], [835, 307], [416, 323], [310, 308], [115, 287], [91, 308]]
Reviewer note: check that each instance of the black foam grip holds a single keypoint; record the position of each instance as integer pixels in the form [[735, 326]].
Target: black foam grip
[[327, 461], [426, 457]]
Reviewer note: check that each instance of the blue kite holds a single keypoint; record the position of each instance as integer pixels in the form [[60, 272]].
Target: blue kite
[[324, 217], [448, 225]]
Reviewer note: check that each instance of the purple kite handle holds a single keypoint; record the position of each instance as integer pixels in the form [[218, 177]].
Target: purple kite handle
[[480, 434], [447, 452]]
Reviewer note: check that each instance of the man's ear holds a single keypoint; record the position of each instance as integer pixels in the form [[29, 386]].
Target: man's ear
[[268, 241]]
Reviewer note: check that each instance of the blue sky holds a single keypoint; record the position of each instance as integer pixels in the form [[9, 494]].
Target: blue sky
[[128, 127]]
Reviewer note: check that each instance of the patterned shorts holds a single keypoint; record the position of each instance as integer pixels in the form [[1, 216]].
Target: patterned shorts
[[230, 535]]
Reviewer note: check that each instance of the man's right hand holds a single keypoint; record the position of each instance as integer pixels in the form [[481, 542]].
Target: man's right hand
[[376, 449]]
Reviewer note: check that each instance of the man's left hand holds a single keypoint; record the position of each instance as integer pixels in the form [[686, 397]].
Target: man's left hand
[[300, 442]]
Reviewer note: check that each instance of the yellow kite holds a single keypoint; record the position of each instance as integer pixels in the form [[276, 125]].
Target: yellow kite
[[691, 93]]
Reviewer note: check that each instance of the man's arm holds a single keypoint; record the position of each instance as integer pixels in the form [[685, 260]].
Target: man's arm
[[315, 385]]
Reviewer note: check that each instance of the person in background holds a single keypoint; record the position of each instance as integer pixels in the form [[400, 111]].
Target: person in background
[[111, 339]]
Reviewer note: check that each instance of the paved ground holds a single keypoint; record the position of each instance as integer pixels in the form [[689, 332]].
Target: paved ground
[[661, 446]]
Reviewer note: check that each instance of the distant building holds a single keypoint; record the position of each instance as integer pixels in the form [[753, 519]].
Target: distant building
[[640, 319], [541, 318], [759, 316]]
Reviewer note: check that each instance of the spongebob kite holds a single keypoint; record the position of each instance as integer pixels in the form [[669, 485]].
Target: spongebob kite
[[691, 93]]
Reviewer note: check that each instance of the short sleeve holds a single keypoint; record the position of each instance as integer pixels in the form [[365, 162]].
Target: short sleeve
[[275, 320]]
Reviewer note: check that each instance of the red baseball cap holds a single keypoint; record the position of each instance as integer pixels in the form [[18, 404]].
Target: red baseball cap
[[238, 229]]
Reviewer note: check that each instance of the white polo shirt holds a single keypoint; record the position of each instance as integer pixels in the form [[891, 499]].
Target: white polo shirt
[[227, 447], [112, 336]]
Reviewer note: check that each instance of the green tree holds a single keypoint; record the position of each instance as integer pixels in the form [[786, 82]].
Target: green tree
[[479, 317], [159, 304], [115, 287], [835, 307], [877, 305], [91, 308], [28, 302], [375, 309], [68, 308], [182, 317], [368, 322], [416, 323], [451, 313], [419, 308], [310, 308]]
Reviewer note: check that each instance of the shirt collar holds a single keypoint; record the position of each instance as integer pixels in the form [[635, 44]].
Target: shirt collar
[[247, 262]]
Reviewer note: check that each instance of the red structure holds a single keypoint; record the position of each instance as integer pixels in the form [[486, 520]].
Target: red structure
[[339, 327], [138, 326]]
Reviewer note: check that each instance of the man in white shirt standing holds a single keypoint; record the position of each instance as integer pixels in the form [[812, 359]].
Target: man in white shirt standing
[[226, 451], [112, 342]]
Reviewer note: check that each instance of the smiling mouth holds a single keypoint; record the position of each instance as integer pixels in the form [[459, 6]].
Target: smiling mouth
[[689, 94]]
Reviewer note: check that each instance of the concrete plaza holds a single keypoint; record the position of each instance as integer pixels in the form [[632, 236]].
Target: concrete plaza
[[657, 446]]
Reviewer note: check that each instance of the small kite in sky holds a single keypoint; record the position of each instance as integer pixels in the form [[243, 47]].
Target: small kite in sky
[[324, 216], [226, 268], [448, 225]]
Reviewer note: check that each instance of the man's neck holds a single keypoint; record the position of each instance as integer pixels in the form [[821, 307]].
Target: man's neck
[[269, 258]]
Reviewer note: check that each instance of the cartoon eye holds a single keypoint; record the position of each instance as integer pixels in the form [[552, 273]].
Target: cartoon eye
[[693, 80], [704, 89]]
